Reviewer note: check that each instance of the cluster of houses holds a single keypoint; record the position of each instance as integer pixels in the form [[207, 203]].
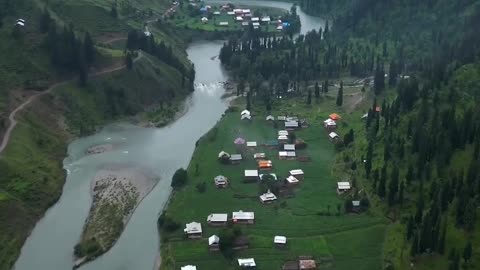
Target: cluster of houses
[[287, 150], [243, 16]]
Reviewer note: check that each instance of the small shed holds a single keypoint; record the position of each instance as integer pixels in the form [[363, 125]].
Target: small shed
[[291, 125], [239, 18], [282, 133], [270, 118], [239, 141], [250, 176], [298, 173], [255, 19], [268, 197], [289, 147], [245, 112], [216, 13], [343, 187], [247, 263], [204, 19], [266, 19], [231, 13], [307, 265], [236, 159], [246, 11], [282, 139], [292, 180], [279, 28], [217, 219], [223, 23], [246, 117], [223, 154], [333, 136], [356, 203], [329, 124], [280, 241], [193, 230], [214, 243], [245, 23], [259, 156], [221, 181], [283, 155], [251, 144], [188, 267], [241, 217]]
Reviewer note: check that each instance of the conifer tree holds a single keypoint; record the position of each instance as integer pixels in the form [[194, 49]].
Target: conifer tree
[[89, 49], [129, 61], [467, 252], [340, 95], [317, 90], [309, 97], [410, 227], [383, 179]]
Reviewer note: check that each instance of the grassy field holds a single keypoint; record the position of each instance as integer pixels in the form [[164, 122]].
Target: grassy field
[[310, 220]]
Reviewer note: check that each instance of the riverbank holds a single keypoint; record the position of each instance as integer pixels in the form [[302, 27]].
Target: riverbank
[[313, 220], [116, 192]]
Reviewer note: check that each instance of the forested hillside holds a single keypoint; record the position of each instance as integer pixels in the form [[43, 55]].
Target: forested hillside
[[79, 47], [420, 143]]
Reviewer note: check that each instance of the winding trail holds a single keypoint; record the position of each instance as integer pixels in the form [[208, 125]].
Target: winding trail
[[11, 117]]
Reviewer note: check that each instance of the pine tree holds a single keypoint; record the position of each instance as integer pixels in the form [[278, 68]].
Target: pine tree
[[317, 90], [410, 227], [393, 186], [383, 179], [89, 49], [467, 252], [470, 215], [309, 97], [129, 61], [45, 21], [442, 238], [414, 249], [113, 10], [393, 73], [249, 105], [368, 160], [400, 193], [340, 95]]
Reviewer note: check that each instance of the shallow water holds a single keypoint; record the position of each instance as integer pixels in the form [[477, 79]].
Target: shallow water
[[162, 150]]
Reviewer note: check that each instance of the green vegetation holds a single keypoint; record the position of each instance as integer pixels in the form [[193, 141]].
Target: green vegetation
[[313, 220]]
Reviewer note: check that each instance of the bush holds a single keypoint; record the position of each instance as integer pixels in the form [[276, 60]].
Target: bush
[[180, 178], [167, 223], [201, 187]]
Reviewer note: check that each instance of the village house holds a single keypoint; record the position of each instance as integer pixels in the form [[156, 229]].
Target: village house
[[251, 144], [250, 176], [330, 125], [236, 158], [245, 23], [193, 230], [246, 117], [265, 164], [280, 241], [291, 125], [343, 187], [221, 181], [290, 155], [281, 118], [214, 243], [268, 197], [240, 242], [283, 155], [333, 136], [216, 13], [259, 156], [266, 19], [223, 23], [335, 117], [282, 139], [291, 180], [241, 217], [282, 133], [307, 265], [298, 173], [188, 267], [247, 263], [217, 219], [270, 118], [255, 19], [289, 147]]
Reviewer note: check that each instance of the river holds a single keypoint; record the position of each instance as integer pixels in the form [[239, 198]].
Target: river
[[162, 150]]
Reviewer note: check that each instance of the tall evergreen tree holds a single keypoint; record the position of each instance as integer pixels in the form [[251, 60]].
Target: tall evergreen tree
[[89, 49], [340, 95], [129, 61], [467, 252], [249, 102], [393, 74], [410, 227], [382, 190], [317, 90], [309, 97]]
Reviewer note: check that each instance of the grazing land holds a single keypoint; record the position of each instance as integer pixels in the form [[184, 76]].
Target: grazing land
[[314, 220]]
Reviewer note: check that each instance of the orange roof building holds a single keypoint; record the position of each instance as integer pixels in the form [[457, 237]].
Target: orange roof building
[[335, 117], [265, 164]]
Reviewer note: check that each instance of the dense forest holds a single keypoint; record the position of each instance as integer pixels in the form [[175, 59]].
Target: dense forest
[[421, 151]]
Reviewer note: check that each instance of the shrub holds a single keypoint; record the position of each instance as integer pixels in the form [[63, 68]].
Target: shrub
[[201, 187]]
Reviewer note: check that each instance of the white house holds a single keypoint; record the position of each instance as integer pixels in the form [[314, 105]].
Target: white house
[[223, 23], [329, 123], [217, 219], [281, 118], [282, 133], [246, 116], [298, 173], [282, 138], [251, 144], [245, 23], [236, 158], [266, 19], [270, 118], [246, 263], [291, 155], [213, 243], [238, 18], [292, 180], [280, 28], [343, 187], [251, 175], [245, 11], [204, 19], [333, 136], [280, 240], [188, 267], [282, 154], [221, 181], [193, 230], [291, 124], [231, 13], [256, 24], [268, 197], [259, 156], [255, 19], [245, 112], [289, 147], [216, 13], [241, 217]]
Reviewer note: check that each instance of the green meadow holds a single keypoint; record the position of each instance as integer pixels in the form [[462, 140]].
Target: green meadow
[[314, 220]]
